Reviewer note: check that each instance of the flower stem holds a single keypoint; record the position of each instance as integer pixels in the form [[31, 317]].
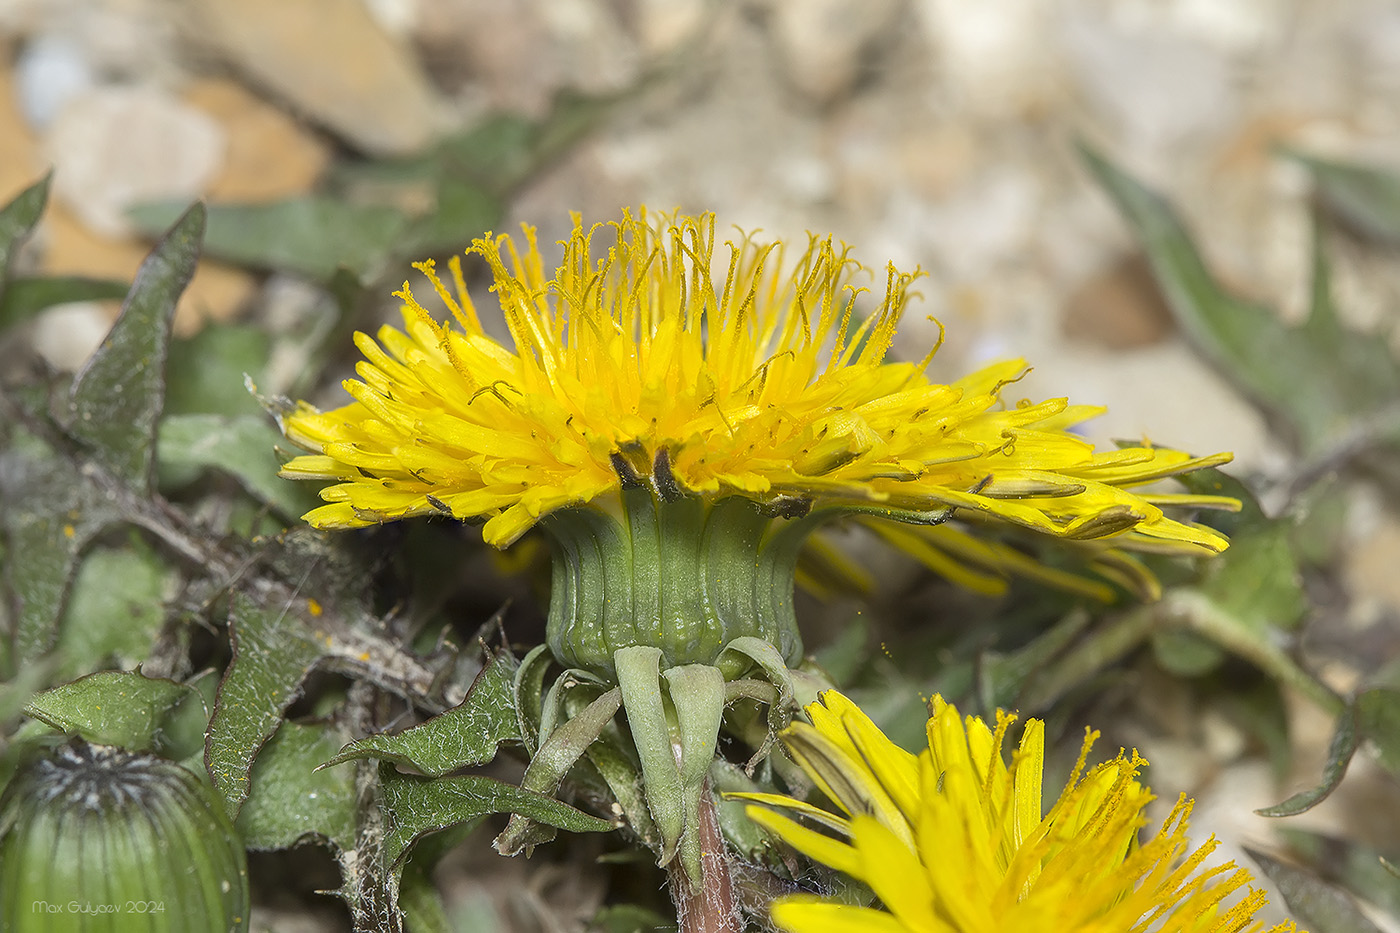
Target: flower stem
[[711, 906]]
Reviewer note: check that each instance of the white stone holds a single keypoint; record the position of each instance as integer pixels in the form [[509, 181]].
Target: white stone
[[397, 17], [66, 335], [1240, 25], [51, 71], [993, 54], [116, 147]]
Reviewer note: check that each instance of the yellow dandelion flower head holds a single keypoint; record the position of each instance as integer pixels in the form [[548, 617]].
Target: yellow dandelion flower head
[[955, 839], [638, 361]]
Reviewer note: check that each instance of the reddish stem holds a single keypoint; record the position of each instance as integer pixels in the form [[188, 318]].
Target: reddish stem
[[713, 908]]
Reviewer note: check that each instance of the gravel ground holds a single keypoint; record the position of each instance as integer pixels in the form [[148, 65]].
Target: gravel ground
[[930, 132]]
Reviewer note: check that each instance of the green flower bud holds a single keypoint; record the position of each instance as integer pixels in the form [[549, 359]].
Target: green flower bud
[[95, 838]]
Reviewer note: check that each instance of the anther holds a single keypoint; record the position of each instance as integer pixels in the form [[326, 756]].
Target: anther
[[665, 480], [625, 473]]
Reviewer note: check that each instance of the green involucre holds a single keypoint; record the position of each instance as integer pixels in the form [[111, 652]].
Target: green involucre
[[95, 839], [684, 575]]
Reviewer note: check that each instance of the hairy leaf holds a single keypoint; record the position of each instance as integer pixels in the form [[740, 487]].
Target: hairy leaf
[[1256, 581], [1254, 588], [117, 399], [1378, 719], [244, 446], [460, 212], [205, 372], [49, 512], [421, 902], [467, 734], [1339, 752], [112, 707], [273, 650], [629, 918], [496, 155], [1372, 714], [17, 692], [115, 609], [1359, 869], [414, 806], [1186, 654], [291, 800]]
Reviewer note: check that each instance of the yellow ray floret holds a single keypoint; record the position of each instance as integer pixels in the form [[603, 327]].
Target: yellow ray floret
[[635, 360], [955, 840]]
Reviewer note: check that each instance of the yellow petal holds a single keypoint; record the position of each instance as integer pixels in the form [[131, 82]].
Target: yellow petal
[[806, 914], [814, 845]]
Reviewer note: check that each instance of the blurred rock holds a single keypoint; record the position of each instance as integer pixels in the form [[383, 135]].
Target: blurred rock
[[70, 248], [516, 55], [114, 147], [1378, 35], [805, 177], [1164, 393], [51, 71], [397, 17], [1157, 89], [494, 51], [332, 60], [596, 54], [993, 55], [20, 162], [1251, 147], [825, 44], [986, 222], [66, 335], [1120, 308], [131, 41], [1370, 568], [936, 159], [269, 155], [662, 25]]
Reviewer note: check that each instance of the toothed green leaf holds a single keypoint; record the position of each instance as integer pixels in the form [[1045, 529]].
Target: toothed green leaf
[[120, 708], [467, 734], [117, 399], [115, 610], [17, 219], [273, 650], [243, 446], [415, 806], [290, 800]]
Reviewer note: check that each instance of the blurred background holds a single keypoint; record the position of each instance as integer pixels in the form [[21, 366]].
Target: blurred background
[[934, 133], [930, 132], [927, 132]]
